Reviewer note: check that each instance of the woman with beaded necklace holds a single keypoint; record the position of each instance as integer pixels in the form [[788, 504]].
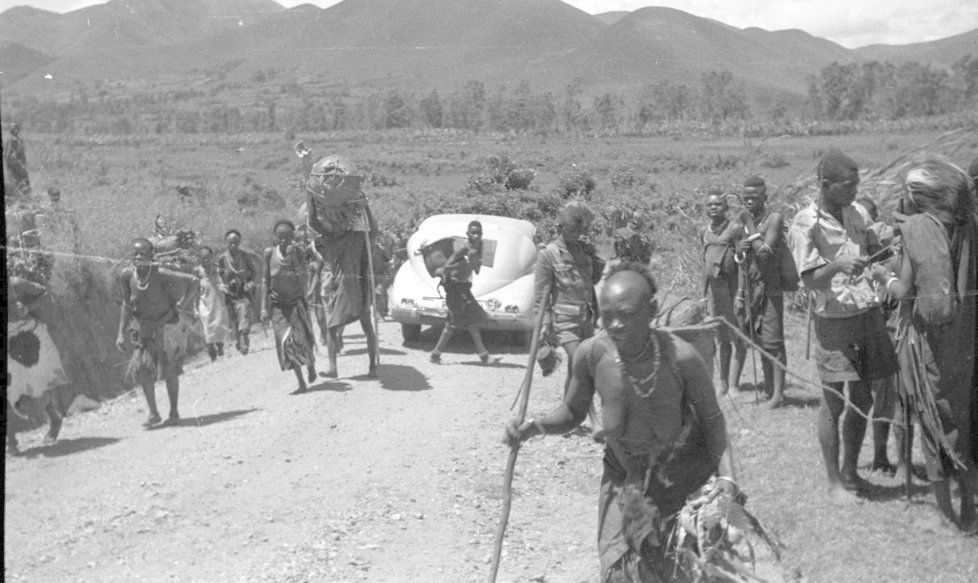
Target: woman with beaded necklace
[[154, 300]]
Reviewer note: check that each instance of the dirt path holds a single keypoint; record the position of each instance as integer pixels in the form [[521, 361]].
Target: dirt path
[[395, 479]]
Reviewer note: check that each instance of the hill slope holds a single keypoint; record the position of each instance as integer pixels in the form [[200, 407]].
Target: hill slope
[[945, 51], [122, 25]]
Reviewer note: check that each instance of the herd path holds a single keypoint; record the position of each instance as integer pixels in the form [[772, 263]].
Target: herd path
[[396, 479]]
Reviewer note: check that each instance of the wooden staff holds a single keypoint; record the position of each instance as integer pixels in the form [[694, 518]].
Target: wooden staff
[[373, 283], [524, 400]]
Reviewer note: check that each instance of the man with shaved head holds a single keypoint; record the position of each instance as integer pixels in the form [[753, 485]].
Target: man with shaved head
[[154, 300], [831, 242], [664, 432]]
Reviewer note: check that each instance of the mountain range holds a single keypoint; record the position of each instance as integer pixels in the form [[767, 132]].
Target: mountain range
[[421, 44]]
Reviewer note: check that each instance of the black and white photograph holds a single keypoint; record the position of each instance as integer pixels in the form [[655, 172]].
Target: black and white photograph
[[517, 291]]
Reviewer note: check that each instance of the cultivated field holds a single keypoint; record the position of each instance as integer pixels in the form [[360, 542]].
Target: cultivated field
[[117, 185]]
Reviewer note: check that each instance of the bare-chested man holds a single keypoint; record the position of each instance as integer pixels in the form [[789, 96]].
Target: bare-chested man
[[664, 431], [154, 300]]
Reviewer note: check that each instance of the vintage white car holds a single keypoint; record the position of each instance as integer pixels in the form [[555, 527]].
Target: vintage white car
[[504, 285]]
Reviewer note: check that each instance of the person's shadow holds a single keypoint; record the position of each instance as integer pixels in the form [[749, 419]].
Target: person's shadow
[[398, 377], [202, 420], [67, 447], [331, 386]]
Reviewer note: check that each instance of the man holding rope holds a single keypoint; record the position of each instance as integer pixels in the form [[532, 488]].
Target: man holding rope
[[831, 243], [664, 431]]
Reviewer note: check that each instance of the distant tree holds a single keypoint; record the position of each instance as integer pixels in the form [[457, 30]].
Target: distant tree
[[721, 98], [396, 113], [431, 109]]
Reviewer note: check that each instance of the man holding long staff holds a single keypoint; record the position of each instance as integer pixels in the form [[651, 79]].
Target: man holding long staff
[[337, 210], [665, 434]]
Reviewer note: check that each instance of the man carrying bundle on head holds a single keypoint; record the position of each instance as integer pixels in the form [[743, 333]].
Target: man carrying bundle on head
[[720, 272], [831, 243], [665, 434], [152, 318], [936, 282], [337, 211], [569, 268], [765, 279]]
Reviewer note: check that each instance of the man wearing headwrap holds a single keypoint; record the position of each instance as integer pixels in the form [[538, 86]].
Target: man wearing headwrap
[[569, 267], [154, 300], [764, 246], [831, 243], [338, 214], [936, 282]]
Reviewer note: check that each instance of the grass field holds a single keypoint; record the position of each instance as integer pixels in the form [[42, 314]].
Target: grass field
[[117, 185]]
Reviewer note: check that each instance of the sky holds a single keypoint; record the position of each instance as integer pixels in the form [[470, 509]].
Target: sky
[[851, 23]]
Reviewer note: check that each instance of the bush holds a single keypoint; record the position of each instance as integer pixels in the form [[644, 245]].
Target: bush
[[578, 183]]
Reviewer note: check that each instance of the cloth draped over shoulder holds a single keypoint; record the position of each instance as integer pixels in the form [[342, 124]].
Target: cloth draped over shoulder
[[33, 363], [936, 339]]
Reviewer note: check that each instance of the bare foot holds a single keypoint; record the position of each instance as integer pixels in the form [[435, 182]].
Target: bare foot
[[153, 420], [774, 402], [331, 373], [842, 497], [854, 483], [49, 440], [724, 388], [372, 372], [300, 390], [312, 374]]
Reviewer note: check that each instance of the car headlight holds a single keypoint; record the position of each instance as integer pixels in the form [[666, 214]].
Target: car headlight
[[512, 309], [493, 304], [407, 302]]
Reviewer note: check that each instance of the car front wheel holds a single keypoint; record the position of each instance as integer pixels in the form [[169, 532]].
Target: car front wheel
[[411, 332]]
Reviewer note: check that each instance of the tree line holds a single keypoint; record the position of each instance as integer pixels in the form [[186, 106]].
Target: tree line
[[874, 90], [849, 91]]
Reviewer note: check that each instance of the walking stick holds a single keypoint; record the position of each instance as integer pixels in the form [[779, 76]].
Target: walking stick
[[808, 332], [745, 287], [907, 442], [373, 283], [524, 399]]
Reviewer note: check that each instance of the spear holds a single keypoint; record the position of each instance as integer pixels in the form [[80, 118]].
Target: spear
[[524, 400]]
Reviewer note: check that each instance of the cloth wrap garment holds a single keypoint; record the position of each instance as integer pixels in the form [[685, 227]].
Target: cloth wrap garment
[[937, 362], [342, 224], [644, 485], [158, 328], [33, 363], [289, 313], [212, 308]]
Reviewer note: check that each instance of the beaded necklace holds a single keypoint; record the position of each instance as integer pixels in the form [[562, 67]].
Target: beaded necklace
[[143, 284], [652, 344]]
